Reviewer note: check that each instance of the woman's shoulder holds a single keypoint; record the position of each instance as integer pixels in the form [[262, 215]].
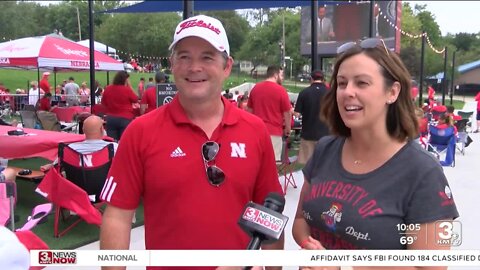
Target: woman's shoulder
[[415, 155], [328, 144], [329, 140]]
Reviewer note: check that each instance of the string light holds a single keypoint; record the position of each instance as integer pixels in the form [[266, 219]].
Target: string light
[[431, 45], [139, 56], [381, 14]]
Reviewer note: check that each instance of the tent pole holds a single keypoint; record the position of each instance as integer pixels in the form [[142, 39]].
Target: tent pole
[[92, 53], [38, 81], [108, 79], [54, 84], [187, 9], [314, 29]]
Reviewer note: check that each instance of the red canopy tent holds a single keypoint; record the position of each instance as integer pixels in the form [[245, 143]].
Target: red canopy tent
[[52, 52]]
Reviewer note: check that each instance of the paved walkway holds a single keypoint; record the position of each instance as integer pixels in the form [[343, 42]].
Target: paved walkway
[[464, 182]]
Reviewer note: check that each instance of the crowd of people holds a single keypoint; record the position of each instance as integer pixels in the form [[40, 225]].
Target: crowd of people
[[358, 136]]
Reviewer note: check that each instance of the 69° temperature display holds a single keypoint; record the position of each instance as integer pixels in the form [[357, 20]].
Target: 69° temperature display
[[408, 233]]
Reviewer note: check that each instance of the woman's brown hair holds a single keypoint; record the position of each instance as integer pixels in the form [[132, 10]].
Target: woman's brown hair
[[401, 120], [120, 78]]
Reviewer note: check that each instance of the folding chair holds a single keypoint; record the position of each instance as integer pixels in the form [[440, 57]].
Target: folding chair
[[49, 121], [285, 167], [29, 119], [462, 135], [86, 172], [442, 145], [7, 204], [29, 107], [467, 115]]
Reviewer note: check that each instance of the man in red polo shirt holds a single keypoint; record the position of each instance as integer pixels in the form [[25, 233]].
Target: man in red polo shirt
[[44, 84], [195, 162], [149, 98]]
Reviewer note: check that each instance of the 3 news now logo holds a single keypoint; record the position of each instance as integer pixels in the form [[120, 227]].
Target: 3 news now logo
[[57, 257], [448, 233], [264, 219]]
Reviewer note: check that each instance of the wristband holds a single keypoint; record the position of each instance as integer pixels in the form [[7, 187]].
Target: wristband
[[304, 243]]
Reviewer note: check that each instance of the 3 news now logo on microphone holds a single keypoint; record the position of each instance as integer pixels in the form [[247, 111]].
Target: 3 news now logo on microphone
[[263, 219], [266, 224], [57, 257]]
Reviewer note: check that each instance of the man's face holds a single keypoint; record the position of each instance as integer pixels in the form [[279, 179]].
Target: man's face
[[280, 77], [199, 69], [321, 12]]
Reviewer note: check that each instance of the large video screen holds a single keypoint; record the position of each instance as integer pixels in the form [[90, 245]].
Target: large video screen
[[348, 21]]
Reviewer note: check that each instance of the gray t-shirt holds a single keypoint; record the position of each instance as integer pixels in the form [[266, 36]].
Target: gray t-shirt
[[89, 146], [71, 89], [362, 211]]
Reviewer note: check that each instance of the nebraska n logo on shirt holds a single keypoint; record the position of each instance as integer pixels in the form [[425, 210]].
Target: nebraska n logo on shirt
[[238, 150]]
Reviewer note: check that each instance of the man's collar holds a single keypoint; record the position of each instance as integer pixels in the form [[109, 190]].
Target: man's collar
[[179, 116]]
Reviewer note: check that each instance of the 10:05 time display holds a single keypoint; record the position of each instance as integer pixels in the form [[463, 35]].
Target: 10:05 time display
[[410, 227]]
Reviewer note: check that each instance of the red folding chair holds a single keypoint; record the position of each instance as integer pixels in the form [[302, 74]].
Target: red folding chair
[[79, 191]]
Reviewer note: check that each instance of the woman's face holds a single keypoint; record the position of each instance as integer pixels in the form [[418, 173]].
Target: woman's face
[[362, 96]]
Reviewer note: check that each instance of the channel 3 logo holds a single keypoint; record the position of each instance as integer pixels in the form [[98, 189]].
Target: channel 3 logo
[[45, 257], [62, 257], [448, 233]]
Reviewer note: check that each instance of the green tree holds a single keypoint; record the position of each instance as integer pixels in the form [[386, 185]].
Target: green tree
[[414, 21], [465, 41], [146, 35], [262, 43], [22, 19], [235, 25]]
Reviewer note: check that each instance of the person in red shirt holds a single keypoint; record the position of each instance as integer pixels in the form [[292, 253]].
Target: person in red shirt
[[186, 160], [44, 102], [451, 112], [445, 121], [269, 100], [141, 87], [431, 94], [120, 103], [414, 92], [44, 84], [477, 99], [149, 99]]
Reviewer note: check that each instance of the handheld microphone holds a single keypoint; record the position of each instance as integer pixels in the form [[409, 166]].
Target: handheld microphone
[[266, 223]]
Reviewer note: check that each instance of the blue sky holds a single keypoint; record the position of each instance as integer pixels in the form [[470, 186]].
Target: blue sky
[[454, 16]]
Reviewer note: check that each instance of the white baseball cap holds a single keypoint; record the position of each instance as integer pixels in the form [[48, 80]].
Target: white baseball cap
[[205, 27], [46, 73]]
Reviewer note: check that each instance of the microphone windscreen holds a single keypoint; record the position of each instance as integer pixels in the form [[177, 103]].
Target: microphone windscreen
[[275, 201]]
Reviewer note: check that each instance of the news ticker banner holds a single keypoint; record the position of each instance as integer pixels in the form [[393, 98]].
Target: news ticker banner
[[77, 258]]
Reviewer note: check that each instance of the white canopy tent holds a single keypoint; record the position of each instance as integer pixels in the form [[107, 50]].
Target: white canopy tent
[[98, 46]]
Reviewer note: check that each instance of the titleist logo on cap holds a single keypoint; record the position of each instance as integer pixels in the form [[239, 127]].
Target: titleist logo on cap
[[194, 23]]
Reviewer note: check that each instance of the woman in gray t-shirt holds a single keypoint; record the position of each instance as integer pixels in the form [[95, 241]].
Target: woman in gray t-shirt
[[370, 184]]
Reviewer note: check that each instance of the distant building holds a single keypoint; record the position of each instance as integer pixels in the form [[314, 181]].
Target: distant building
[[466, 81]]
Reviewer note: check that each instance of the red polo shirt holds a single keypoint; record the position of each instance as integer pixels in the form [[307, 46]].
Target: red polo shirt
[[118, 100], [269, 101], [44, 104], [160, 160], [150, 99], [44, 85]]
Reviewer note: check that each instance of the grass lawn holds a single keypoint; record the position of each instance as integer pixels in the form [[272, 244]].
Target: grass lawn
[[14, 79]]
